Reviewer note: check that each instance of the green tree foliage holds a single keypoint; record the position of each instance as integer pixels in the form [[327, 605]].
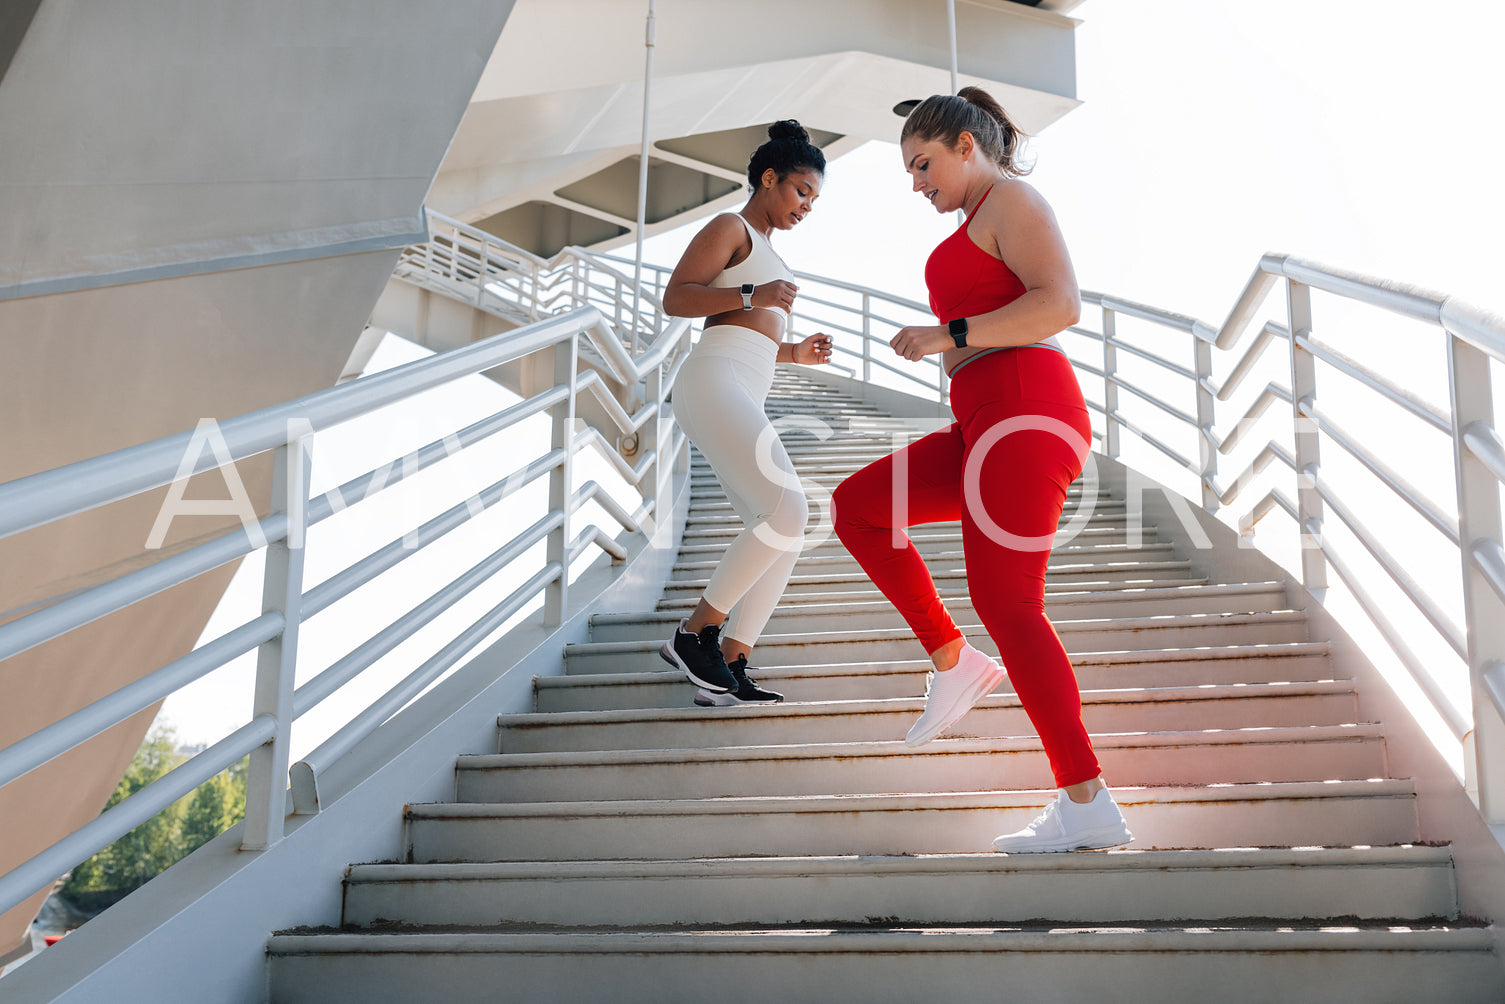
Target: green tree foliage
[[172, 834]]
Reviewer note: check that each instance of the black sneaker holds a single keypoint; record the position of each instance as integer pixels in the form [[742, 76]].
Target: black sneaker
[[699, 657], [747, 691]]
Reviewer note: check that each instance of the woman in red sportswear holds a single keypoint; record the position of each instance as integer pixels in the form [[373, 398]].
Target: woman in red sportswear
[[1002, 286]]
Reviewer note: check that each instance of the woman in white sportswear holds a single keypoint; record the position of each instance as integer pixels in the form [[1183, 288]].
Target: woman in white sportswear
[[731, 276]]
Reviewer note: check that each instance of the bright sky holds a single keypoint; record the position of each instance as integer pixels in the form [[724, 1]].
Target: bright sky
[[1356, 133]]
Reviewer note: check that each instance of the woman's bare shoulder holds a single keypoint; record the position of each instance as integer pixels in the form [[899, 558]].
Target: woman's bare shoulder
[[1013, 198]]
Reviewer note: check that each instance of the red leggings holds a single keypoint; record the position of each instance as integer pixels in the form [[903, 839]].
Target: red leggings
[[1020, 438]]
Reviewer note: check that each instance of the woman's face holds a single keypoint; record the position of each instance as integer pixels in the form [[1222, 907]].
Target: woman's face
[[939, 172], [793, 196]]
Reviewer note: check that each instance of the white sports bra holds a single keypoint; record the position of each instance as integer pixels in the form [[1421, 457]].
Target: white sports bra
[[761, 265]]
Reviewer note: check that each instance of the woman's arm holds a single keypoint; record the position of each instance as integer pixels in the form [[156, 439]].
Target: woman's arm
[[690, 293], [1019, 224]]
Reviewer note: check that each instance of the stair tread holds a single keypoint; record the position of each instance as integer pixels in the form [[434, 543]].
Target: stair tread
[[1118, 859], [890, 748], [1066, 626], [1387, 788], [802, 709]]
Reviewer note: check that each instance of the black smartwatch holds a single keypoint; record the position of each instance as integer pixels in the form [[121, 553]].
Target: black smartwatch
[[958, 330], [747, 292]]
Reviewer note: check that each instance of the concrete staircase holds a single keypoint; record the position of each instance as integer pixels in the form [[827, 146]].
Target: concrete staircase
[[625, 845]]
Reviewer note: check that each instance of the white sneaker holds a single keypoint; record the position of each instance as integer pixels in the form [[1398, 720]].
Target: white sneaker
[[1070, 826], [951, 694]]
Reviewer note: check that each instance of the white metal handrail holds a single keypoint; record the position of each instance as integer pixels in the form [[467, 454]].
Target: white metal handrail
[[1474, 337], [80, 487]]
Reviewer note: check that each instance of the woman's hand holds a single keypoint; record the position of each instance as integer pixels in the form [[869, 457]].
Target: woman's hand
[[813, 351], [778, 294], [914, 343]]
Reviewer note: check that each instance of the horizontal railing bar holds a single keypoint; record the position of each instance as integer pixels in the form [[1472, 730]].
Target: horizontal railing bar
[[368, 652], [1274, 497], [1444, 523], [1146, 396], [307, 770], [1271, 451], [1273, 392], [1178, 458], [1451, 632], [1475, 325], [1271, 331], [360, 488], [56, 620], [1077, 329], [1484, 443], [1123, 346], [398, 550], [1087, 368], [87, 484], [595, 536], [1493, 678], [1433, 416], [118, 820], [1396, 297], [26, 755], [1170, 319], [1455, 719], [1489, 558], [593, 492], [875, 294]]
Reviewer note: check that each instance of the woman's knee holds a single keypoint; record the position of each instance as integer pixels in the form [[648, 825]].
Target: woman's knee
[[849, 513], [790, 516]]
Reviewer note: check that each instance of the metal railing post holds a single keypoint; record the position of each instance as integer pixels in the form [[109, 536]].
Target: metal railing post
[[1484, 615], [561, 477], [277, 660], [1110, 389], [1207, 451], [867, 339], [1309, 508]]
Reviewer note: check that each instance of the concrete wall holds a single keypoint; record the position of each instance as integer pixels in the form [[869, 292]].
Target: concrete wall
[[203, 201]]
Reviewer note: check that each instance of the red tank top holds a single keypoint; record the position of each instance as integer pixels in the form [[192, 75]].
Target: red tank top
[[964, 280]]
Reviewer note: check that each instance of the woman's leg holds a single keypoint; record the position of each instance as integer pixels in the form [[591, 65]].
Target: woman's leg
[[1008, 524], [869, 510]]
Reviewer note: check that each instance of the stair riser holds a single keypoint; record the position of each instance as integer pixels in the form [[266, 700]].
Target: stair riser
[[972, 897], [586, 658], [1167, 575], [881, 615], [921, 772], [844, 564], [873, 977], [718, 728], [676, 692], [1253, 823]]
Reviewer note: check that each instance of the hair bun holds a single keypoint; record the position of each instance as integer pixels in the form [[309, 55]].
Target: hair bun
[[786, 129]]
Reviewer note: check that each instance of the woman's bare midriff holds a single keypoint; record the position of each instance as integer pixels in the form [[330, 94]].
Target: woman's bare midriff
[[952, 358], [763, 321]]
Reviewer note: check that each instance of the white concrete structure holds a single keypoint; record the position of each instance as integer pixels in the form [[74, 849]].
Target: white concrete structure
[[210, 234]]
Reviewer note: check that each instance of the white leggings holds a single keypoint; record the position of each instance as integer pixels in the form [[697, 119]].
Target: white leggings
[[718, 401]]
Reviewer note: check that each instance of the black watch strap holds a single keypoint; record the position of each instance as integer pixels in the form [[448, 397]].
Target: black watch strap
[[958, 329]]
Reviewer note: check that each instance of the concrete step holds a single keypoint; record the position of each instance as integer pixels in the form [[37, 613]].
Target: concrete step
[[1308, 883], [952, 588], [1283, 814], [666, 688], [1144, 709], [726, 529], [1141, 573], [927, 539], [1134, 759], [802, 617], [842, 563], [1092, 635], [1138, 963]]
